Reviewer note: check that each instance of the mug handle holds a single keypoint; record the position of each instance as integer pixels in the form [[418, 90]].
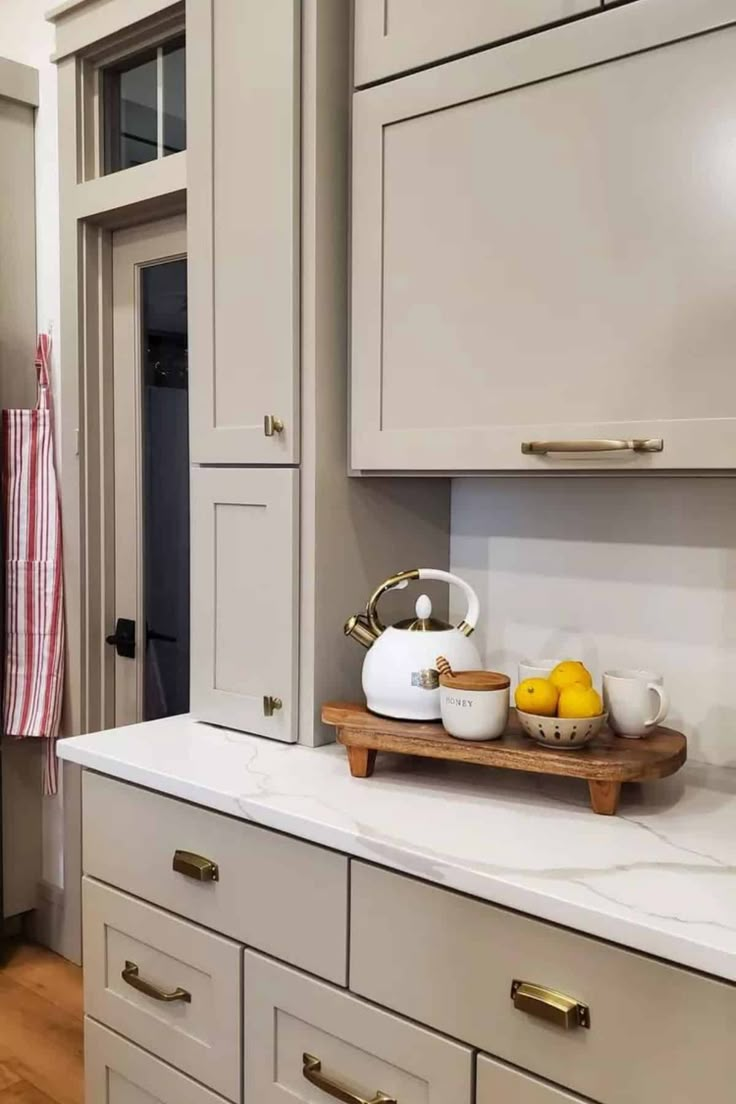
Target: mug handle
[[664, 704]]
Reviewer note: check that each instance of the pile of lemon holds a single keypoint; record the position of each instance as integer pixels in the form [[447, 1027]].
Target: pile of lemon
[[566, 692]]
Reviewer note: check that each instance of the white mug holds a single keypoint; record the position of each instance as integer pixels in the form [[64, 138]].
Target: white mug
[[536, 668], [627, 698]]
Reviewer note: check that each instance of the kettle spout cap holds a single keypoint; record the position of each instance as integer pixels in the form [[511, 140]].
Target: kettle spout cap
[[359, 629]]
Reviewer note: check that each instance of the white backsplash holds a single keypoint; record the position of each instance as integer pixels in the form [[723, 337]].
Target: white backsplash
[[634, 572]]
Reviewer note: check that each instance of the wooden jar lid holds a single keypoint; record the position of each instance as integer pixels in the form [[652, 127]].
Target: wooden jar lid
[[475, 680]]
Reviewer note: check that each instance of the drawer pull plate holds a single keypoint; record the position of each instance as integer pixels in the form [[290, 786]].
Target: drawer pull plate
[[131, 977], [549, 1005], [312, 1072], [637, 444], [195, 866]]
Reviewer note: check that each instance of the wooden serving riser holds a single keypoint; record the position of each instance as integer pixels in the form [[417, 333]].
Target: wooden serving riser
[[605, 763]]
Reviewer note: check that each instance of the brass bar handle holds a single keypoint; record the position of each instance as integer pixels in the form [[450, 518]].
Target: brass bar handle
[[271, 705], [131, 977], [195, 866], [272, 425], [312, 1072], [548, 1004], [636, 444]]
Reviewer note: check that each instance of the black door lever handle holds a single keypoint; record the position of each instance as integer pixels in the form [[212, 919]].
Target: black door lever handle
[[123, 639]]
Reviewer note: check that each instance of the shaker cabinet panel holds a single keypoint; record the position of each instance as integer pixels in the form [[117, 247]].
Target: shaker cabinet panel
[[243, 228], [117, 1072], [244, 585], [164, 983], [543, 250], [392, 36], [307, 1042]]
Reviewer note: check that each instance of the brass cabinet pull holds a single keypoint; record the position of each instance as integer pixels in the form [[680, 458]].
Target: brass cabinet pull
[[132, 978], [272, 425], [637, 444], [312, 1072], [195, 866], [271, 705], [550, 1005]]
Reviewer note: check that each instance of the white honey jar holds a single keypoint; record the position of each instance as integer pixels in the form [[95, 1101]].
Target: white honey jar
[[474, 704]]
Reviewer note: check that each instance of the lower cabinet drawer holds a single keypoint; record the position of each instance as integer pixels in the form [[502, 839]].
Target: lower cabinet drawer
[[117, 1072], [284, 896], [657, 1032], [305, 1041], [496, 1082], [166, 984]]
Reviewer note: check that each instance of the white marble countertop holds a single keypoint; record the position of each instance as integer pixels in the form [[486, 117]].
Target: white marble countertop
[[659, 877]]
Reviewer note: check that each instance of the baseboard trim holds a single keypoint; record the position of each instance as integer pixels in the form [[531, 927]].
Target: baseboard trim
[[48, 923]]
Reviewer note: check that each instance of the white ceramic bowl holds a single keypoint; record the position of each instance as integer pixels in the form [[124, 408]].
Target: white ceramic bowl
[[564, 733]]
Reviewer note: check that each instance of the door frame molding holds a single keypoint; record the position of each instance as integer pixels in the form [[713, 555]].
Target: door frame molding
[[91, 207]]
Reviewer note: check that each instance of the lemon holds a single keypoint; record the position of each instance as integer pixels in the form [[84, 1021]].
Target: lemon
[[579, 701], [538, 696], [569, 672]]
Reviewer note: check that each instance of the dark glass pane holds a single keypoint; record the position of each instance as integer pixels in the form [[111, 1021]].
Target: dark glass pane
[[145, 106], [132, 105], [175, 98], [166, 489]]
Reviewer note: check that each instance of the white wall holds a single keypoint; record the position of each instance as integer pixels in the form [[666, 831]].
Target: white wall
[[618, 572], [25, 36]]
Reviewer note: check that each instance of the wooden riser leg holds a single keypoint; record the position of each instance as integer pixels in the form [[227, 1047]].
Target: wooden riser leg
[[362, 761], [604, 797]]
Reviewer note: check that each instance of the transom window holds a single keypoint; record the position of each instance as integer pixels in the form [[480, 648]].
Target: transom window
[[144, 100]]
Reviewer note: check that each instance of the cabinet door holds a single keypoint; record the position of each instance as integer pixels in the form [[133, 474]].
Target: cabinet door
[[117, 1072], [242, 228], [245, 557], [392, 36], [544, 245], [496, 1082], [307, 1042]]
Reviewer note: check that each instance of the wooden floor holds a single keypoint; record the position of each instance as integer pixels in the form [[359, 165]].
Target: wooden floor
[[41, 1052]]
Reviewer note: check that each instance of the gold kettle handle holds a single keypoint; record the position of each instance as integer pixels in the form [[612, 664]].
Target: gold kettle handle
[[401, 579]]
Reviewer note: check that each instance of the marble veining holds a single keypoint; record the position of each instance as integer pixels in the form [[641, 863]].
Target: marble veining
[[660, 877]]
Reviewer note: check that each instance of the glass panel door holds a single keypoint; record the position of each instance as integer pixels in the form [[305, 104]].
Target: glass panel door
[[147, 619]]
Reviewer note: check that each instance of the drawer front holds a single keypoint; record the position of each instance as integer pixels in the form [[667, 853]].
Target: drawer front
[[296, 1026], [133, 955], [449, 961], [496, 1082], [117, 1072], [284, 896], [392, 36]]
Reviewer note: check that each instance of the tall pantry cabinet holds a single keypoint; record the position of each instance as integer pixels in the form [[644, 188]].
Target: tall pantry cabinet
[[284, 545]]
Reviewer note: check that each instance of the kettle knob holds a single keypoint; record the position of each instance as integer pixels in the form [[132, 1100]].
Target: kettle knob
[[423, 607]]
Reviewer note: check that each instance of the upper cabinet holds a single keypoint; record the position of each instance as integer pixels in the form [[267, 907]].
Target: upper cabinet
[[392, 36], [543, 251], [243, 230]]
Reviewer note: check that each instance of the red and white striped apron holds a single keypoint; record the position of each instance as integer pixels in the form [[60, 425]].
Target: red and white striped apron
[[34, 601]]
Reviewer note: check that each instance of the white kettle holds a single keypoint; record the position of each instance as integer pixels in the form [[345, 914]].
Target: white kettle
[[399, 674]]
